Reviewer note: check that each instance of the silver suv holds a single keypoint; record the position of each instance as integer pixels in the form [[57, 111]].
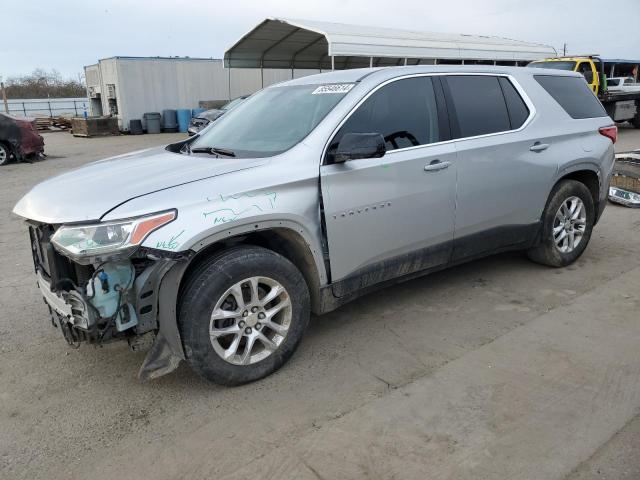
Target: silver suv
[[310, 193]]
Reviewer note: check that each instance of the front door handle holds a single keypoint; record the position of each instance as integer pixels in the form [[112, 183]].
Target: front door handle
[[539, 147], [436, 165]]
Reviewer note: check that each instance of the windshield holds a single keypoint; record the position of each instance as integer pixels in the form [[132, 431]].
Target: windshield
[[555, 65], [272, 120]]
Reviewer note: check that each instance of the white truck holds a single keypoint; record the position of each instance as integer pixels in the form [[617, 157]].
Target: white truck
[[622, 84]]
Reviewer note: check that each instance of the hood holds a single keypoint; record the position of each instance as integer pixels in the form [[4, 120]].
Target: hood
[[12, 118], [91, 191]]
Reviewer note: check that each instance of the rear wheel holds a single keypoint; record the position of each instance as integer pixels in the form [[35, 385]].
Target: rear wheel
[[567, 223], [242, 315], [5, 154]]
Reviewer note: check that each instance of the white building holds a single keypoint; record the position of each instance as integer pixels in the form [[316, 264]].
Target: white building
[[128, 87]]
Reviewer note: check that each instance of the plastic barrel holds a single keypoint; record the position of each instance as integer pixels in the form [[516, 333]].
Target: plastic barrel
[[184, 115], [135, 127], [152, 119], [196, 111], [169, 121]]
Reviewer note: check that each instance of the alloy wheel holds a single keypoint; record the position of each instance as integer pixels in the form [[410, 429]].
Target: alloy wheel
[[570, 224], [4, 155], [250, 320]]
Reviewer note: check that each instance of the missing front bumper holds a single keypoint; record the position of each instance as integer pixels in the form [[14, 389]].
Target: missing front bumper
[[154, 296]]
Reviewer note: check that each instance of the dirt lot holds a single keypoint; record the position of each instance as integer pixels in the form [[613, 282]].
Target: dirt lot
[[499, 368]]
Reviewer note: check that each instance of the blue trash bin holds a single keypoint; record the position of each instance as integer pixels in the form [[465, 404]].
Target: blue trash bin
[[184, 115]]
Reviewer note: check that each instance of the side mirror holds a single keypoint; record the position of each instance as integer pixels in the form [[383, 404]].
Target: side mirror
[[353, 146]]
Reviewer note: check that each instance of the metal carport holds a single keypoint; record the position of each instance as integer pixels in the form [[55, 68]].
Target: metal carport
[[305, 44]]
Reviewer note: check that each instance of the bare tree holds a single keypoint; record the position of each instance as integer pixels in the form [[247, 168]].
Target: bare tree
[[45, 84]]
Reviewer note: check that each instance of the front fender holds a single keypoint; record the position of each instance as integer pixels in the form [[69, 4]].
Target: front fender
[[257, 224]]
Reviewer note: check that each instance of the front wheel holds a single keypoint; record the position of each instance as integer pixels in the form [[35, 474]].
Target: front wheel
[[242, 315], [567, 222]]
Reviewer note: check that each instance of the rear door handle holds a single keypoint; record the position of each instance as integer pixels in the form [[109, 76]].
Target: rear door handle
[[539, 147], [436, 165]]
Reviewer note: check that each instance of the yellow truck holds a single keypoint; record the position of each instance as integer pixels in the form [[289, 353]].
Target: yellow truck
[[620, 105]]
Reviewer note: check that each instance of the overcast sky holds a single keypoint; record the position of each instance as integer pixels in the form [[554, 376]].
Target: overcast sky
[[68, 34]]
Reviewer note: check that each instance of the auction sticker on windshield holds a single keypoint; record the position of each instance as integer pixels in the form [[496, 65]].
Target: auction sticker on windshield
[[333, 88]]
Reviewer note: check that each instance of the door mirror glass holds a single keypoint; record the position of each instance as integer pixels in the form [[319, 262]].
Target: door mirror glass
[[353, 146]]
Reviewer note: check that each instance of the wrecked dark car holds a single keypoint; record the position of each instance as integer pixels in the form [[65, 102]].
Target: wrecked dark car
[[205, 118], [19, 139]]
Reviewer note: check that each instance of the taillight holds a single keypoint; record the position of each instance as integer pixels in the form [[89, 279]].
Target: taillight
[[609, 132]]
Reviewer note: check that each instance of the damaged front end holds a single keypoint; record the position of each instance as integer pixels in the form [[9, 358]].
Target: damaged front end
[[98, 296], [21, 137]]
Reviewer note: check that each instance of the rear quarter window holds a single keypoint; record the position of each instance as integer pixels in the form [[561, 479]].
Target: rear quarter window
[[518, 111], [573, 95], [479, 105]]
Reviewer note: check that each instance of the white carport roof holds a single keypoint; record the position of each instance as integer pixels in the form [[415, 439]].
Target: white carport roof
[[282, 43]]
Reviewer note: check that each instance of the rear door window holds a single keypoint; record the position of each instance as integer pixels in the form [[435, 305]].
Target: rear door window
[[404, 112], [478, 104], [573, 94]]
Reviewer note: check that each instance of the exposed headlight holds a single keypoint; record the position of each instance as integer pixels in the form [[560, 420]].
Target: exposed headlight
[[109, 237]]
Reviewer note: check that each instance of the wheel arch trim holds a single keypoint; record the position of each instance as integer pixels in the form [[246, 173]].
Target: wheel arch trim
[[575, 171], [263, 226]]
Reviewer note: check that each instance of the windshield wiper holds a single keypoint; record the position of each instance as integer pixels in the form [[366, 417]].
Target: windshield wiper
[[213, 151]]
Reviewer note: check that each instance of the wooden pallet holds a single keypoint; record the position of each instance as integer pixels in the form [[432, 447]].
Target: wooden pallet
[[53, 123], [626, 182], [43, 123]]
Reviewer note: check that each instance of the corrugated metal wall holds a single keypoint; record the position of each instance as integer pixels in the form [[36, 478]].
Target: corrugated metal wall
[[244, 81], [92, 75], [154, 84]]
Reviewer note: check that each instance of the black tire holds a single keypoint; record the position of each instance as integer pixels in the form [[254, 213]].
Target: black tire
[[208, 283], [636, 120], [546, 251], [5, 154]]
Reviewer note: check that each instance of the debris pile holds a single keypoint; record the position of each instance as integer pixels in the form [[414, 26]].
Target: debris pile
[[53, 123]]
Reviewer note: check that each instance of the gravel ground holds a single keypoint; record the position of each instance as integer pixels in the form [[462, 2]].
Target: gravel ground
[[383, 361]]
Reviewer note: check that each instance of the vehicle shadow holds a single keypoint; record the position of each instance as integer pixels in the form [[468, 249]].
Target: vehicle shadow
[[431, 298]]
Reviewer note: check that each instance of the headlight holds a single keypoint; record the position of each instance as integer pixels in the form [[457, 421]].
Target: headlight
[[108, 237]]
